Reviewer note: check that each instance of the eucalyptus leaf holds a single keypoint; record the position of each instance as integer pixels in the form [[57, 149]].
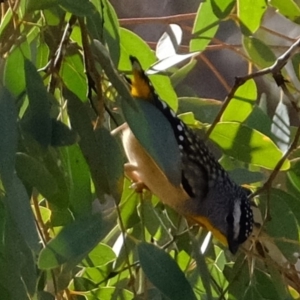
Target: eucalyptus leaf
[[157, 137], [74, 242], [247, 145], [164, 273]]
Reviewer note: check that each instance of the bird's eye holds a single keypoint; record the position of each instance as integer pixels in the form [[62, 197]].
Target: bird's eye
[[229, 219]]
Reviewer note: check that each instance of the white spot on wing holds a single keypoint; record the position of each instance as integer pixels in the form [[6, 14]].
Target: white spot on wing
[[236, 219]]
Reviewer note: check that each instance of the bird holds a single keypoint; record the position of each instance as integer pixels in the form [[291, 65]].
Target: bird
[[205, 194]]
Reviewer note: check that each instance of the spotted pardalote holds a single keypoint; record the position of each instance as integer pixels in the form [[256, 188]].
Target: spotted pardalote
[[206, 193]]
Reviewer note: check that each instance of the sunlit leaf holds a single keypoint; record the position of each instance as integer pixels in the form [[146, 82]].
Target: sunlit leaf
[[14, 78], [169, 62], [72, 73], [250, 14], [205, 27], [205, 110], [132, 44], [242, 102], [247, 145], [80, 187], [222, 8], [168, 43], [107, 293], [81, 123], [100, 255], [289, 8], [74, 242], [259, 52], [281, 126]]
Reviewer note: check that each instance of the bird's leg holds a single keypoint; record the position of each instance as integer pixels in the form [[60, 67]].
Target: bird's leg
[[131, 172]]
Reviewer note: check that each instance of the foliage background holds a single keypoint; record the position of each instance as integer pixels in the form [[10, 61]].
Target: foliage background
[[71, 228]]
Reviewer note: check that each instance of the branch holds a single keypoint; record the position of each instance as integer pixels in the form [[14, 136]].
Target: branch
[[275, 70]]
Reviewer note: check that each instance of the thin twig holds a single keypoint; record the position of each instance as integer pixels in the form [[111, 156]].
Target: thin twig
[[166, 19]]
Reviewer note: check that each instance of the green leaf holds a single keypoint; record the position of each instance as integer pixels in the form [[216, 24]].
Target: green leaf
[[128, 206], [205, 110], [33, 5], [73, 242], [18, 205], [132, 44], [111, 157], [296, 64], [205, 27], [108, 293], [250, 14], [222, 8], [288, 8], [157, 137], [260, 121], [293, 179], [202, 268], [239, 277], [88, 143], [5, 21], [242, 102], [293, 200], [178, 76], [8, 135], [14, 79], [169, 42], [37, 119], [80, 183], [80, 8], [72, 74], [53, 15], [41, 295], [33, 172], [16, 257], [102, 152], [164, 273], [247, 145], [111, 32], [266, 287], [157, 225], [103, 25], [281, 126], [42, 56], [99, 256], [62, 135], [259, 52], [51, 160], [82, 284], [244, 176], [277, 229], [169, 62], [115, 78]]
